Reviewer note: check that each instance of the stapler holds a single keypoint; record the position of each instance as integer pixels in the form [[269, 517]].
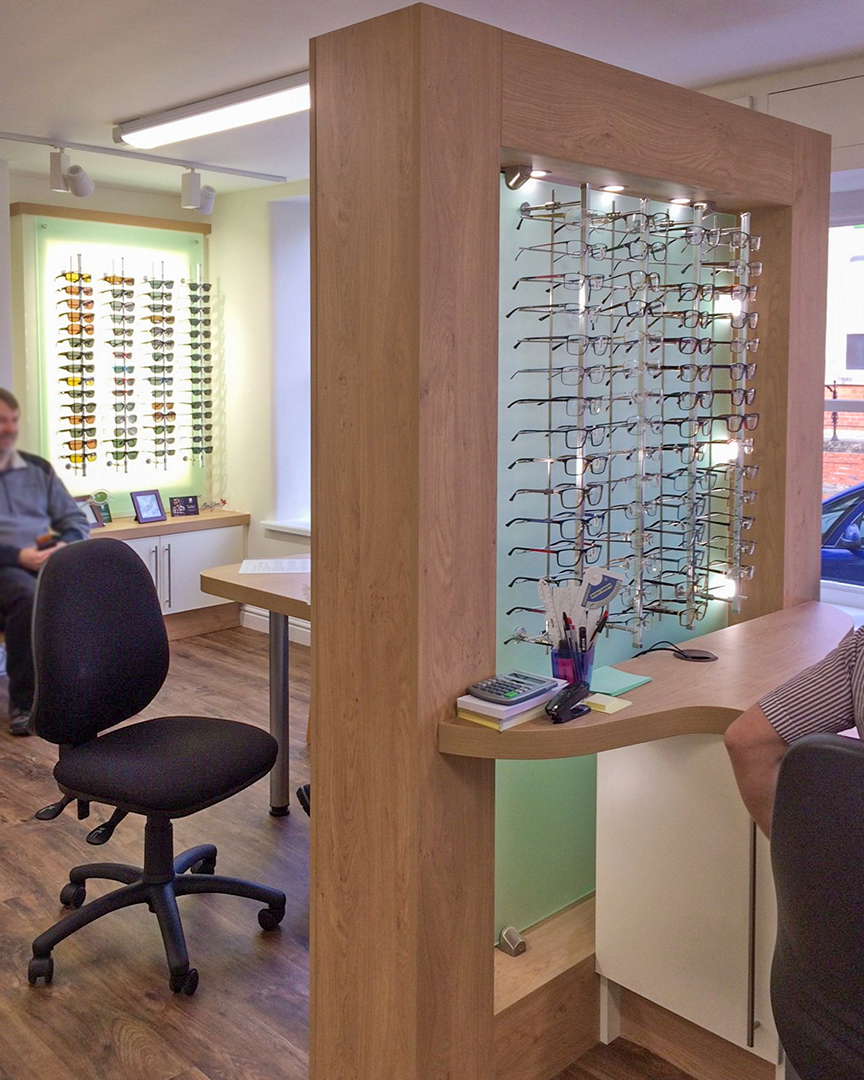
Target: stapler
[[566, 703]]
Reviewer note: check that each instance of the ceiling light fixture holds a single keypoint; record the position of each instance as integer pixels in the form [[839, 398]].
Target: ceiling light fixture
[[516, 175], [539, 174], [280, 97], [613, 188], [680, 202], [194, 195], [66, 177]]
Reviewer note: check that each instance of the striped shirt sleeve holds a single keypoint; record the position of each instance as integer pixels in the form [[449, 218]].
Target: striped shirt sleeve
[[826, 697]]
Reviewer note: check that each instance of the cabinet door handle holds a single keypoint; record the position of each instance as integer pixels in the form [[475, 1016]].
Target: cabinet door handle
[[751, 943], [168, 571], [156, 574]]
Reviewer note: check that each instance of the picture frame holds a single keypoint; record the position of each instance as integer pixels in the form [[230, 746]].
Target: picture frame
[[148, 506], [184, 505], [91, 512]]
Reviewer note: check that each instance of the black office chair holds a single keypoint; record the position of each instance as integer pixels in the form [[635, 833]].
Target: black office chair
[[101, 656], [817, 853]]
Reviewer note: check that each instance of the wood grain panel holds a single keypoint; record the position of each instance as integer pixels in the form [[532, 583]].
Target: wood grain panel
[[204, 228], [184, 624], [554, 946], [550, 1028], [404, 347], [700, 1053], [580, 110], [753, 658]]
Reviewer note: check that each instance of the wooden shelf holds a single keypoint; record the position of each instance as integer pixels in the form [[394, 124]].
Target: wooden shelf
[[129, 529], [682, 698]]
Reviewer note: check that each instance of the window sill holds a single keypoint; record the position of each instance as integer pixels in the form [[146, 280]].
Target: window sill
[[299, 528], [849, 598]]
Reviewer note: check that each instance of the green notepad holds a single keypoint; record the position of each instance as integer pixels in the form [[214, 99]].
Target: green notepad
[[609, 680]]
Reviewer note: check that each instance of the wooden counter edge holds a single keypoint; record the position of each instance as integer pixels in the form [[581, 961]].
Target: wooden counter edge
[[128, 529], [464, 739]]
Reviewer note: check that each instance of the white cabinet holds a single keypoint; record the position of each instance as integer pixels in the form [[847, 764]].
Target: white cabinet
[[673, 887], [175, 561]]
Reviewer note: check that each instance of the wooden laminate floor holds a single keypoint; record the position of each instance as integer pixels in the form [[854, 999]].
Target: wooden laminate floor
[[109, 1014]]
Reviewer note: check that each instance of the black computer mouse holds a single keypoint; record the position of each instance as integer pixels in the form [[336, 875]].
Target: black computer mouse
[[565, 705]]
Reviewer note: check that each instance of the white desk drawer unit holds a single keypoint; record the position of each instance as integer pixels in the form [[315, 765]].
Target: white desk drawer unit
[[176, 551]]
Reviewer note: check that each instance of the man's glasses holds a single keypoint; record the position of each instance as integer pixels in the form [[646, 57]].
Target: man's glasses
[[74, 380], [78, 459], [76, 290], [71, 275], [81, 444], [79, 368], [114, 279], [156, 283], [118, 294], [74, 354], [76, 305], [195, 286]]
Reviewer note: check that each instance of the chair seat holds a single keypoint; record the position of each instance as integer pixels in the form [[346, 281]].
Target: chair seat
[[172, 765]]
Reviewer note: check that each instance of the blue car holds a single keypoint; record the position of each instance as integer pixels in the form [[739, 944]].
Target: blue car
[[843, 536]]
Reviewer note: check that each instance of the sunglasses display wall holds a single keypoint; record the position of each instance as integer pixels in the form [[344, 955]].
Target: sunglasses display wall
[[628, 430], [134, 370]]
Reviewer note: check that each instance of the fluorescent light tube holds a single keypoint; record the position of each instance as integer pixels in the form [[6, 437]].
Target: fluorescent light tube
[[281, 97]]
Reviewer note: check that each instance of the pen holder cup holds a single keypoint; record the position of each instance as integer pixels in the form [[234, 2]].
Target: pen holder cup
[[574, 667]]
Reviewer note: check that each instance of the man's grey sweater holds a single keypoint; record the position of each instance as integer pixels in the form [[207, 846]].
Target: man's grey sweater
[[33, 501]]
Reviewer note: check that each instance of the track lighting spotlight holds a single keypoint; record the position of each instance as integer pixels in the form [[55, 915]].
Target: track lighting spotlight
[[208, 198], [194, 195], [516, 175], [66, 177]]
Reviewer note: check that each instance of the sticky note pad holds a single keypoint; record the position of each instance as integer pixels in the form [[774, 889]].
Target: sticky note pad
[[609, 680], [605, 703]]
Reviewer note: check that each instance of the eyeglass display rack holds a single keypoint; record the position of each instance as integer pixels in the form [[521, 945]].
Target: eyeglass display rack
[[635, 403], [109, 419]]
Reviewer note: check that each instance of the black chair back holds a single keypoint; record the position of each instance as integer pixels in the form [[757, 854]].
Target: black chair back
[[99, 641], [817, 853]]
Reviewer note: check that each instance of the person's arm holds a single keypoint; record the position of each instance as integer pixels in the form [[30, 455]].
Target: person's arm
[[756, 750], [67, 518]]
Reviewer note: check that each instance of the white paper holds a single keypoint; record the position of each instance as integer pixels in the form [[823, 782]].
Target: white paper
[[275, 566]]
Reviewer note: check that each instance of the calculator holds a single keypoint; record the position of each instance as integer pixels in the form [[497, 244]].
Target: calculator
[[513, 688]]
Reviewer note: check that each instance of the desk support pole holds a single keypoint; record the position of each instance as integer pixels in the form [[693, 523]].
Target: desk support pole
[[279, 706]]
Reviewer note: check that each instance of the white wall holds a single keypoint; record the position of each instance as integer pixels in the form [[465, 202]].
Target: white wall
[[240, 268], [5, 283]]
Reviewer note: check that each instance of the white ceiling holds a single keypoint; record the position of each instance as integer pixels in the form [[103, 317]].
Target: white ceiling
[[70, 71]]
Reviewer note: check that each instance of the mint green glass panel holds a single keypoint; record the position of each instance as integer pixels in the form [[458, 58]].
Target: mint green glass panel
[[545, 810]]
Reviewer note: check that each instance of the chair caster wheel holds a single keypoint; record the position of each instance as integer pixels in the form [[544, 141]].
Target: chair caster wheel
[[187, 983], [40, 967], [72, 895], [268, 919], [203, 866]]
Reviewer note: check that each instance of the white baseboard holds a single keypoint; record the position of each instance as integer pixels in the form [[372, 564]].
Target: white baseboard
[[255, 618]]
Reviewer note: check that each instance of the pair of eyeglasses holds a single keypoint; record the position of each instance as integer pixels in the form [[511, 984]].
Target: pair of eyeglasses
[[121, 444], [74, 380], [121, 305], [735, 266], [78, 369], [161, 309], [198, 415], [79, 432], [120, 369], [197, 369], [122, 342], [698, 236], [159, 295], [572, 249], [78, 316], [76, 290], [158, 283], [168, 320], [122, 455], [81, 444], [77, 305], [196, 286], [120, 318], [118, 294], [123, 406], [199, 310], [123, 379], [599, 343], [641, 249], [75, 354], [736, 422], [160, 369], [71, 275], [77, 394], [197, 357], [168, 415], [160, 380], [740, 239], [114, 279], [635, 220], [80, 421], [77, 332], [78, 459], [201, 427], [199, 380], [738, 395], [199, 333], [200, 439]]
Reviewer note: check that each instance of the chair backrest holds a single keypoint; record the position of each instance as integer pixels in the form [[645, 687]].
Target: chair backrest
[[817, 854], [99, 641]]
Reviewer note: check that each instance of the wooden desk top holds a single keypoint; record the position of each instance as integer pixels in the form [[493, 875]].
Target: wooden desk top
[[130, 529], [282, 593], [682, 698]]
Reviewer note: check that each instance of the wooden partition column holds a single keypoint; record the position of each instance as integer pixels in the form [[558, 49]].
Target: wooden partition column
[[413, 114]]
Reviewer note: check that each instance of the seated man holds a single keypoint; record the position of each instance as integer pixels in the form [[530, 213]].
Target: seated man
[[34, 506], [828, 697]]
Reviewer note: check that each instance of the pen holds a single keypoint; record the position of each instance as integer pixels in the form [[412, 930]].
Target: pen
[[583, 639], [601, 622]]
